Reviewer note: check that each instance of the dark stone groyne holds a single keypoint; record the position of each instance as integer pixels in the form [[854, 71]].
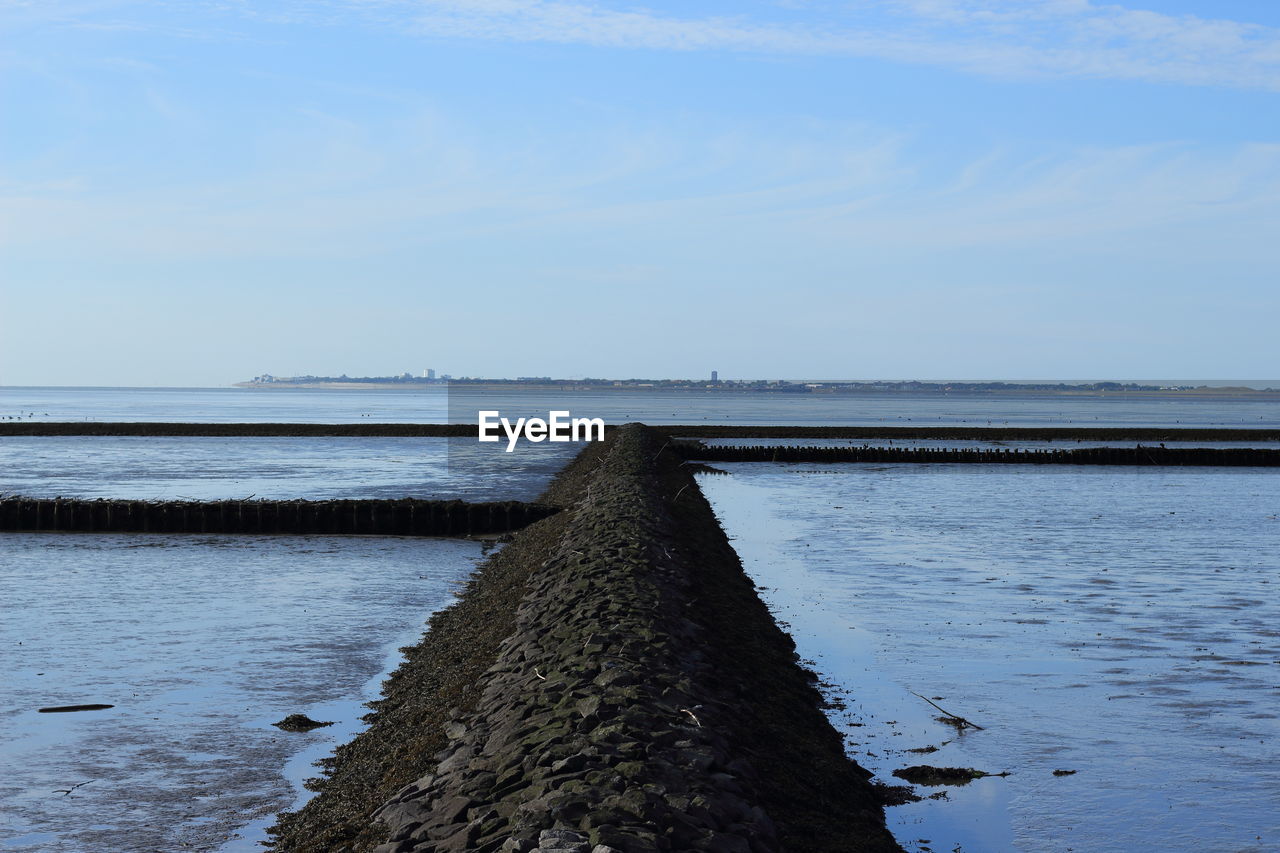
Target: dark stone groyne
[[1018, 456], [250, 430], [976, 433], [407, 517], [609, 681]]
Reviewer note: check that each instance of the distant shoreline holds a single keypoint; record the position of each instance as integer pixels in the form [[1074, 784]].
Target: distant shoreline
[[793, 388]]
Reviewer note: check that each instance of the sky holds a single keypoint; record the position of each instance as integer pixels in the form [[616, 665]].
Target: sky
[[195, 192]]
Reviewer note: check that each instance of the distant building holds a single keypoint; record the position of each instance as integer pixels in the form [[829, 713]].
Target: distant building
[[715, 376], [428, 374]]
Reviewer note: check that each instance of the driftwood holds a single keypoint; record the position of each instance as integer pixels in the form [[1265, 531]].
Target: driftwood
[[67, 791], [956, 720]]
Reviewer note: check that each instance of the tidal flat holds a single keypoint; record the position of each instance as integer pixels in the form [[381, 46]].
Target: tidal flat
[[200, 643], [284, 468], [1118, 625]]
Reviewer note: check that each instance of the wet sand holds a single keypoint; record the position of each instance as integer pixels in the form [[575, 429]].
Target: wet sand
[[1119, 623], [200, 643]]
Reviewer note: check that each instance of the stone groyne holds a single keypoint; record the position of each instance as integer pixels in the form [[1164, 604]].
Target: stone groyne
[[977, 433], [609, 681], [986, 455], [406, 517], [240, 430]]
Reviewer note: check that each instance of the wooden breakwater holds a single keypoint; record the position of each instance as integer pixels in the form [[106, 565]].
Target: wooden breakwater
[[407, 517], [238, 430], [988, 455], [976, 433]]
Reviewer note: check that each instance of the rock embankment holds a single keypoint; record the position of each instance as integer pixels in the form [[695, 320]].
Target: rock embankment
[[619, 687]]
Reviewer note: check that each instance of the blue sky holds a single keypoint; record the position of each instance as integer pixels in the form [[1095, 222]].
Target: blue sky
[[197, 192]]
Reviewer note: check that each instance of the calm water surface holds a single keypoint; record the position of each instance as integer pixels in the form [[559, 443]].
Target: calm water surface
[[200, 643], [437, 404], [1121, 623], [1114, 621], [203, 468]]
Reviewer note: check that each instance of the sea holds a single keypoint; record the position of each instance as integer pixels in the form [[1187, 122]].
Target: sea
[[435, 404], [1112, 630]]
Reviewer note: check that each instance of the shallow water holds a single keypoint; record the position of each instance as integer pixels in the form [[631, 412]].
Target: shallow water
[[1118, 622], [436, 404], [208, 468], [200, 643], [224, 405]]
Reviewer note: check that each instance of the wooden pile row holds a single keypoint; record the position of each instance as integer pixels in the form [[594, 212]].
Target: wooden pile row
[[407, 517]]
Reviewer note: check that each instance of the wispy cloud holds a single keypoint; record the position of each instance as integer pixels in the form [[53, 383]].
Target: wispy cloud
[[1006, 38], [1071, 38], [1083, 38], [745, 192]]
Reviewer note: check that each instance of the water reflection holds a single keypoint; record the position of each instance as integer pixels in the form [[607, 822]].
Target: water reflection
[[1117, 622], [145, 468], [200, 643]]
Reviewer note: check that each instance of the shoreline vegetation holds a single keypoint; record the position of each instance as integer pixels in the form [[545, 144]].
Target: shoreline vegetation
[[609, 681], [738, 386]]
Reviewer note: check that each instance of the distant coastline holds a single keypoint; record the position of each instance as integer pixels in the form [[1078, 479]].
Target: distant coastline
[[411, 383]]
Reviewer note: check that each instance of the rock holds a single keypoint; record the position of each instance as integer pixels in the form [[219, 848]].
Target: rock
[[571, 764], [300, 723], [923, 774], [563, 841]]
